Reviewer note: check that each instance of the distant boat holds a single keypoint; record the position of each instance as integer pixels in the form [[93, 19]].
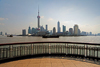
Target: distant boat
[[53, 36], [9, 35]]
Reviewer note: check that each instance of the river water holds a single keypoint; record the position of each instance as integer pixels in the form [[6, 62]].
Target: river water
[[85, 39]]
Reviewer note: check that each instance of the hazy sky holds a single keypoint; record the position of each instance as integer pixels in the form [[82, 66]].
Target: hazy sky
[[16, 15]]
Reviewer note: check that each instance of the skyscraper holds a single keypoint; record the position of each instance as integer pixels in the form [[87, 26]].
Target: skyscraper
[[58, 26], [54, 30], [29, 30], [38, 19], [75, 29], [24, 32], [41, 28], [64, 28], [79, 31], [1, 33], [71, 31], [6, 33], [46, 27]]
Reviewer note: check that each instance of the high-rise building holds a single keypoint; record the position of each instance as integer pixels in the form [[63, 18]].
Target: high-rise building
[[5, 33], [71, 31], [1, 33], [41, 28], [33, 30], [50, 32], [79, 32], [58, 26], [24, 32], [90, 33], [38, 19], [75, 29], [46, 27], [83, 33], [64, 28], [54, 30], [29, 30]]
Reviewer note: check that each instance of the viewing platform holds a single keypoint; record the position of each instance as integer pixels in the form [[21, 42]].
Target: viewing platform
[[35, 54]]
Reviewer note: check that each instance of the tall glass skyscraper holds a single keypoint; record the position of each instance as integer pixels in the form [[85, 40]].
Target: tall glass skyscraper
[[24, 32], [75, 29], [58, 26], [54, 30], [64, 28], [46, 27], [29, 30], [71, 31]]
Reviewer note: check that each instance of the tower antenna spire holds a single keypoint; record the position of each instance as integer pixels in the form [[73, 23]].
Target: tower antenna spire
[[38, 18], [38, 10]]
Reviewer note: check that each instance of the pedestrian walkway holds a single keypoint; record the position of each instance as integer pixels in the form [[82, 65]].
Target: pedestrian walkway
[[48, 62]]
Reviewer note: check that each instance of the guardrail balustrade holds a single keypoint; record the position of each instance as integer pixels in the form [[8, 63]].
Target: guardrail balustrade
[[74, 49]]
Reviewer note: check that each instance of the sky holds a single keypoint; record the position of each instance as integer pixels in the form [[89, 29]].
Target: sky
[[16, 15]]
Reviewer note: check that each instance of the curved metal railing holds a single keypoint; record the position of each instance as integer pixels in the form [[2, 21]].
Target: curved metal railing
[[74, 49]]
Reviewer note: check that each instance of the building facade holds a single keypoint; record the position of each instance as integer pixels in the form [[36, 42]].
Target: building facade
[[54, 30], [33, 30], [46, 27], [29, 30], [64, 28], [58, 26], [24, 32], [70, 31], [41, 28], [75, 29]]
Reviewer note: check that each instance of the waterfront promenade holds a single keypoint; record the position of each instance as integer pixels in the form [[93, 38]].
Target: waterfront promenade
[[48, 62], [50, 54]]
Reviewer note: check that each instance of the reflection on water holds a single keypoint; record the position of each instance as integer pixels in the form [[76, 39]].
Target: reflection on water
[[86, 39]]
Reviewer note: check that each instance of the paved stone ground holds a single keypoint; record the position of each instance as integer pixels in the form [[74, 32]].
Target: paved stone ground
[[48, 62]]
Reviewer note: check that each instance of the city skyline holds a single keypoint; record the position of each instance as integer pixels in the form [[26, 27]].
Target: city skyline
[[23, 14]]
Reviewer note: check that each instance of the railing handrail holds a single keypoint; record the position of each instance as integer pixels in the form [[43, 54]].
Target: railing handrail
[[49, 42]]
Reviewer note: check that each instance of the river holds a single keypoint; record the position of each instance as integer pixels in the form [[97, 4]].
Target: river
[[85, 39]]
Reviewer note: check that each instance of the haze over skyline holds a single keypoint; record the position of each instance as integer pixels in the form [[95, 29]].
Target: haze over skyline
[[16, 15]]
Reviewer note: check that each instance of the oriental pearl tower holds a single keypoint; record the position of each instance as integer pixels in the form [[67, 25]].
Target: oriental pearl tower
[[38, 17]]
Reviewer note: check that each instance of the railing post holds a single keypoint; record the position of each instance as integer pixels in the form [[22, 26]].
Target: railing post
[[94, 52], [84, 50], [61, 47], [2, 51], [89, 52], [97, 53], [49, 48], [55, 47], [71, 49], [77, 50], [31, 49], [11, 50]]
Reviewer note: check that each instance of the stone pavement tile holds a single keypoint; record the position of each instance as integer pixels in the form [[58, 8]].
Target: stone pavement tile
[[59, 64], [48, 66], [24, 61], [48, 62], [42, 65], [11, 65], [12, 62], [54, 64], [21, 65], [2, 65], [33, 65], [78, 65], [92, 65], [33, 62], [66, 65]]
